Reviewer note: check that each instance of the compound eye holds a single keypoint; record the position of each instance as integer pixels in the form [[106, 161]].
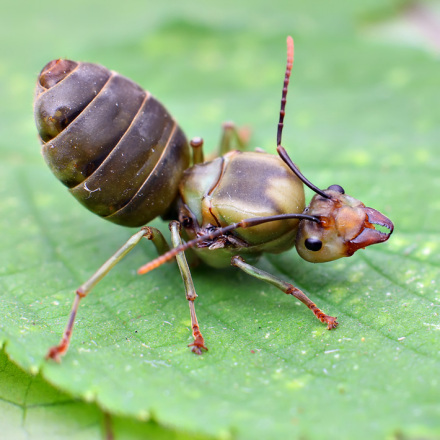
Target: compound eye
[[337, 188], [313, 244]]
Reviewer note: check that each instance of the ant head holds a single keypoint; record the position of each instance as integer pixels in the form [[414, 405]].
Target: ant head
[[342, 224], [345, 225]]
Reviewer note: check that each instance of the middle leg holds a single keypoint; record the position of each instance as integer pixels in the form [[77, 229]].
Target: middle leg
[[191, 295]]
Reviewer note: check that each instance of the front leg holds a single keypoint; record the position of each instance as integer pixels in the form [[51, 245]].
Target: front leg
[[287, 288]]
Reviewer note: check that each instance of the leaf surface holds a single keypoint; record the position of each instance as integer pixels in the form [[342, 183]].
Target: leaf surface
[[361, 113]]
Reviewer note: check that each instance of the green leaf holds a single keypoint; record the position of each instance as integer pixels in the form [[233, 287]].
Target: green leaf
[[32, 409], [361, 113]]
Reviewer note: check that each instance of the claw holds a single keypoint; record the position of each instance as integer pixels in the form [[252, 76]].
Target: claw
[[331, 322], [198, 345], [55, 353], [197, 349]]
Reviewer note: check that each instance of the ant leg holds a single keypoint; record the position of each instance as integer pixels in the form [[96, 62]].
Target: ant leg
[[150, 233], [191, 295], [287, 288], [196, 144], [231, 133]]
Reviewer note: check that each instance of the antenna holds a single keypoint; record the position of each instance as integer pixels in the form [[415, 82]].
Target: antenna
[[290, 52], [281, 151], [216, 233]]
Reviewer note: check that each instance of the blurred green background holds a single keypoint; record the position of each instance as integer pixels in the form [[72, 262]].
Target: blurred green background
[[362, 112]]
